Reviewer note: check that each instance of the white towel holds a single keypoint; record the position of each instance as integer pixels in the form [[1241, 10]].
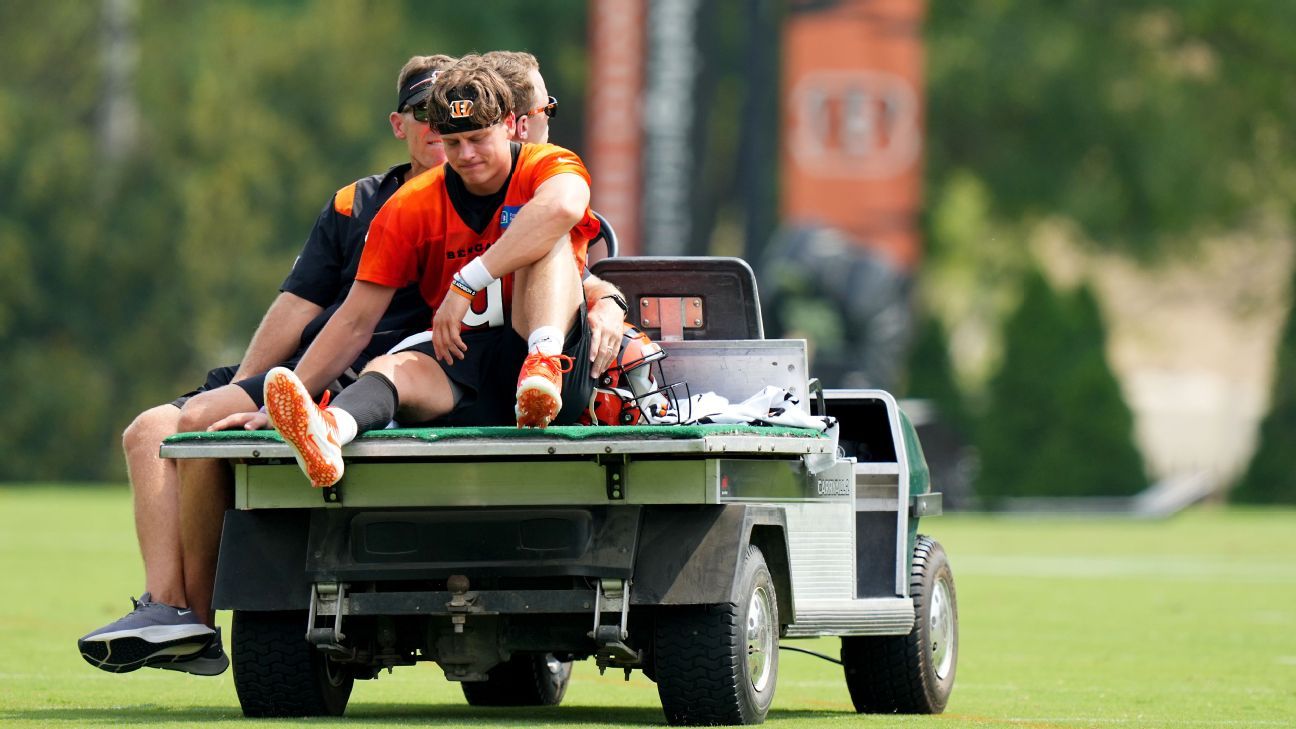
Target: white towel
[[771, 406]]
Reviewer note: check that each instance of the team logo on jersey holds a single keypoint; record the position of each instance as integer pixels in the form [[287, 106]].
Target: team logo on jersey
[[461, 108], [507, 213], [469, 251]]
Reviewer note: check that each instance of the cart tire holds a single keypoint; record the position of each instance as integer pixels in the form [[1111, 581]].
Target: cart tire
[[526, 679], [914, 673], [278, 673], [718, 664]]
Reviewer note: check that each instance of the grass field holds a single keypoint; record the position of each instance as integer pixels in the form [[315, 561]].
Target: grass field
[[1064, 623]]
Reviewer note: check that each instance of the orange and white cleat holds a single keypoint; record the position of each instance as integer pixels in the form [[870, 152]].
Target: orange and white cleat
[[309, 428], [539, 389]]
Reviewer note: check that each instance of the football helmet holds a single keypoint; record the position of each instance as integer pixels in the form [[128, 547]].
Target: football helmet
[[632, 392]]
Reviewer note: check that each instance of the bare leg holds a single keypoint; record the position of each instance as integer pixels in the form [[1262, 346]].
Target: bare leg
[[423, 387], [206, 494], [155, 491], [548, 292], [206, 491]]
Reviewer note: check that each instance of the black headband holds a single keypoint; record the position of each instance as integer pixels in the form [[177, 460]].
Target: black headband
[[460, 118], [415, 89]]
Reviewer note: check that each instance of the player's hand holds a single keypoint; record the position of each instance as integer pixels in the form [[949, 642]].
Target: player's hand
[[607, 325], [446, 327], [246, 421]]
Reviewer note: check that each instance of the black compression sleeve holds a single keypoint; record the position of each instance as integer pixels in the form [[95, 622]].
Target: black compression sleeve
[[372, 400]]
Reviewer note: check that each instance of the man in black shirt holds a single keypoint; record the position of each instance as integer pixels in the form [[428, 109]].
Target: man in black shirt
[[170, 626]]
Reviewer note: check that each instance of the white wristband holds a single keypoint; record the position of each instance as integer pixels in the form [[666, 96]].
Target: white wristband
[[476, 275]]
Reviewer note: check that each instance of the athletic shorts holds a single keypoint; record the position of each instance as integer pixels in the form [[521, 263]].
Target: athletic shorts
[[254, 386], [487, 375]]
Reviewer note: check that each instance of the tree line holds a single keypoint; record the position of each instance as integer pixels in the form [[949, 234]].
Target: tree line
[[140, 243]]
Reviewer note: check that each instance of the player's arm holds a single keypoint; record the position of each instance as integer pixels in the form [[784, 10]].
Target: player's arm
[[558, 205], [345, 336], [278, 335], [606, 322]]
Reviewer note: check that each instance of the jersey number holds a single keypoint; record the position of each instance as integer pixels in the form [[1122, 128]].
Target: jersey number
[[491, 314]]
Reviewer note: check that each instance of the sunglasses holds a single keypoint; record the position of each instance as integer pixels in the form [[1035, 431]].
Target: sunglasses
[[550, 110], [422, 111]]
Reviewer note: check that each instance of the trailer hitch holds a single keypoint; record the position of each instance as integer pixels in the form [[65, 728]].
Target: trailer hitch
[[461, 602]]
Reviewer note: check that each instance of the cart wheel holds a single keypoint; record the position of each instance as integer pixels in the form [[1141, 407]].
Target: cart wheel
[[277, 673], [718, 664], [526, 679], [910, 674]]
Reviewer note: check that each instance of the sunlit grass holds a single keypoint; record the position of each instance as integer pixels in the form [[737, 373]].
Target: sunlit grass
[[1064, 623]]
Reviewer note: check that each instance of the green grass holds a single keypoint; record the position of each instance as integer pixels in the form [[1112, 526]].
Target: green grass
[[1064, 623]]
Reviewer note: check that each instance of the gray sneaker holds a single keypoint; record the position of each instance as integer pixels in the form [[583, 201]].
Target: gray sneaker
[[211, 661], [151, 633]]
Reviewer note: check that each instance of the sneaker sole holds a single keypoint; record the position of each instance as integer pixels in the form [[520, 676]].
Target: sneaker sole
[[200, 666], [128, 653], [538, 403], [291, 418]]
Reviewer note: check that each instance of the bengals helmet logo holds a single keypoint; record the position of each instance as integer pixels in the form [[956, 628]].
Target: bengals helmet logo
[[461, 108]]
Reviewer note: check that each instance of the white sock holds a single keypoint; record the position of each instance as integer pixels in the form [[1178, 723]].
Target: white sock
[[546, 340], [346, 425]]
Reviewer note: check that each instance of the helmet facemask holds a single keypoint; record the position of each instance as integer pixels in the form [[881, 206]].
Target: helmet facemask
[[631, 391]]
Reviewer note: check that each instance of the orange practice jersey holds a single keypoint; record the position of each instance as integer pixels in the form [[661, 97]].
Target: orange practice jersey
[[419, 236]]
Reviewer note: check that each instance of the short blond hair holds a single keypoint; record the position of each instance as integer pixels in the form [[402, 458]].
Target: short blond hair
[[515, 68]]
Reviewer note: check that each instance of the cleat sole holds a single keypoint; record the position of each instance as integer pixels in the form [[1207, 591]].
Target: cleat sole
[[536, 406], [291, 417]]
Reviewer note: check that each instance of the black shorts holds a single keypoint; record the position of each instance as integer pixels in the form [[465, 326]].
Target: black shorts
[[254, 386], [216, 378], [487, 375]]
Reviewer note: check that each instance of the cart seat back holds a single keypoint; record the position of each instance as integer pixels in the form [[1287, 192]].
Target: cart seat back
[[687, 298]]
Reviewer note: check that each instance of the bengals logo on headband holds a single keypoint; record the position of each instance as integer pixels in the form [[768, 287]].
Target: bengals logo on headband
[[461, 108]]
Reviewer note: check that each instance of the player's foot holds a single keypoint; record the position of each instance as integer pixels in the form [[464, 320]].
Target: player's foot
[[151, 634], [211, 661], [307, 427], [539, 389]]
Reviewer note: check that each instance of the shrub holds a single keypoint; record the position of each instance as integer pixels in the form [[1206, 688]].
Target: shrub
[[1271, 476], [1056, 423]]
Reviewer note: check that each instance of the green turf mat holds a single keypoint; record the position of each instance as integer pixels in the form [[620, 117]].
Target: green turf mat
[[566, 432]]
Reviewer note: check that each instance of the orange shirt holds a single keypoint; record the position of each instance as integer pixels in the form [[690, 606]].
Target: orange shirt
[[419, 236]]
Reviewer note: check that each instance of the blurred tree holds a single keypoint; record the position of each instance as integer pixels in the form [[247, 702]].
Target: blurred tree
[[1271, 476], [59, 389], [931, 375], [1055, 423], [1139, 127], [946, 425], [1141, 120], [126, 274]]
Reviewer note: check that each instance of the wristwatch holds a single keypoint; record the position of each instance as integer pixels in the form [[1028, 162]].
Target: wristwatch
[[620, 301]]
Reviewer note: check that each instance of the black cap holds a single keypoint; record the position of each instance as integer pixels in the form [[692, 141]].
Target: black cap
[[415, 89]]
